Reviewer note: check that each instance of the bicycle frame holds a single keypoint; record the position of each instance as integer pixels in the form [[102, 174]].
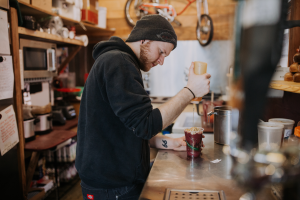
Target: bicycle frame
[[166, 6]]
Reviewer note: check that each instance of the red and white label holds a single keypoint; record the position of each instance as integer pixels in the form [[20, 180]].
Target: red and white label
[[89, 196]]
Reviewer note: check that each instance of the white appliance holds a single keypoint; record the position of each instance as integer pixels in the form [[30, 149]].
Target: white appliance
[[39, 59]]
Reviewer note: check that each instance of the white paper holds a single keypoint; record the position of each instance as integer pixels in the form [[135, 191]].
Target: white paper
[[6, 78], [216, 161], [9, 136], [4, 39], [21, 68], [287, 132]]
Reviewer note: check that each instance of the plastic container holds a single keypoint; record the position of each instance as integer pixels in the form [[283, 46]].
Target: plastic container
[[270, 136], [102, 17], [193, 142], [288, 125]]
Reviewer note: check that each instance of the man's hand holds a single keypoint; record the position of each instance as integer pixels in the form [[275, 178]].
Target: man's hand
[[165, 142], [199, 84]]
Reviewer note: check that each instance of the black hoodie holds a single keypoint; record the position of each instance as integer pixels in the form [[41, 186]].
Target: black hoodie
[[116, 120]]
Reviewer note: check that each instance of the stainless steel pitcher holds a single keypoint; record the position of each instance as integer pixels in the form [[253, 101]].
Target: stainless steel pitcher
[[222, 124]]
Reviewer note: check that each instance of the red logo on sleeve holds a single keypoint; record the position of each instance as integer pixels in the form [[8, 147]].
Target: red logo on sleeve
[[89, 196]]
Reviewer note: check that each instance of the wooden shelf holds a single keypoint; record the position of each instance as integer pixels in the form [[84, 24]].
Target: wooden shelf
[[27, 33], [28, 9], [288, 86]]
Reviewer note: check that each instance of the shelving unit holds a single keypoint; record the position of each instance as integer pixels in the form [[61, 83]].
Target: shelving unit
[[287, 86], [38, 35], [28, 9], [93, 32]]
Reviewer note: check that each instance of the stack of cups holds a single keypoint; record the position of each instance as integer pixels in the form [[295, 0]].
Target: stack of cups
[[287, 123]]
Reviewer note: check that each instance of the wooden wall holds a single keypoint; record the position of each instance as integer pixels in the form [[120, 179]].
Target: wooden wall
[[221, 11]]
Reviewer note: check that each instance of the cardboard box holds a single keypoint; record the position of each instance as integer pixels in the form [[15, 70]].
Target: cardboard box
[[25, 1], [89, 16], [89, 5], [43, 4]]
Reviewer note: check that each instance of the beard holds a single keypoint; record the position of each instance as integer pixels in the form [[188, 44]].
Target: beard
[[144, 54]]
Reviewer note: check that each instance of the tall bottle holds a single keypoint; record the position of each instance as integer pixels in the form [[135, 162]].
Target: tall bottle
[[199, 69]]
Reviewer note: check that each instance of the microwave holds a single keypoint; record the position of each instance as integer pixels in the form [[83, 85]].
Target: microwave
[[38, 59]]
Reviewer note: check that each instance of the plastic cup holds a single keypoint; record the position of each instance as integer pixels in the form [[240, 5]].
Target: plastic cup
[[270, 136], [287, 123], [193, 142]]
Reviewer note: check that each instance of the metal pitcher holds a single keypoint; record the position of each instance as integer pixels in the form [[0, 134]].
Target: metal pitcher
[[222, 124]]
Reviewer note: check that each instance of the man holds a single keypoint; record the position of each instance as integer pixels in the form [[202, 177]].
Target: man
[[117, 121]]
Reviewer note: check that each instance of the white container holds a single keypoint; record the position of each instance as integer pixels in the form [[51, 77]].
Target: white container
[[287, 123], [102, 17], [270, 136]]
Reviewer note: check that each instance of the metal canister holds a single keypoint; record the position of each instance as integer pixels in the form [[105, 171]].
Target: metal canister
[[222, 124]]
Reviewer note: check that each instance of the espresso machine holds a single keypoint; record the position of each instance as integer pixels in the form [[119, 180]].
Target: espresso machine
[[258, 45]]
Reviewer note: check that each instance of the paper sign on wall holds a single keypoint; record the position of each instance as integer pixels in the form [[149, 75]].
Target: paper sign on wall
[[4, 39], [6, 78], [9, 136]]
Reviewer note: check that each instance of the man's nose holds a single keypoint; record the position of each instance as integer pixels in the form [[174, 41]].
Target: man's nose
[[161, 60]]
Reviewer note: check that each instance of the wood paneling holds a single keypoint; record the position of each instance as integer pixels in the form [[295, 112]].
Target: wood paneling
[[294, 40], [221, 11]]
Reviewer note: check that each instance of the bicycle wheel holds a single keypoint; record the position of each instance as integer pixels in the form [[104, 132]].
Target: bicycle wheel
[[135, 12], [205, 30]]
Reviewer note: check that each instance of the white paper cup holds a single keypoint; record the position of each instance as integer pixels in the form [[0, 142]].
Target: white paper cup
[[287, 123]]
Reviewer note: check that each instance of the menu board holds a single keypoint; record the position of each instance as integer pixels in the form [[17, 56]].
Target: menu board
[[9, 136]]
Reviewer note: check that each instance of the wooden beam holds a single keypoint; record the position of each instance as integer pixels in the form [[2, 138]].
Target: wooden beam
[[18, 97], [68, 59], [31, 168]]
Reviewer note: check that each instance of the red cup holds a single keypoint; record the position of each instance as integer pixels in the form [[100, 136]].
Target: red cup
[[193, 142]]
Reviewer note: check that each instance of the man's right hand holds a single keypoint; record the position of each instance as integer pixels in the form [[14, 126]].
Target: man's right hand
[[199, 84]]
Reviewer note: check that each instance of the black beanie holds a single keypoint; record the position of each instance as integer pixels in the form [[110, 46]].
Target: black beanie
[[153, 27]]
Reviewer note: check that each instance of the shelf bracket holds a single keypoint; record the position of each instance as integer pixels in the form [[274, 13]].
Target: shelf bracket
[[68, 59], [31, 168]]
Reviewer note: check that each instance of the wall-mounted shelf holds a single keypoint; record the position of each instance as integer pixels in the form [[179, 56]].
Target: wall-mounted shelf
[[288, 86], [30, 34], [28, 9]]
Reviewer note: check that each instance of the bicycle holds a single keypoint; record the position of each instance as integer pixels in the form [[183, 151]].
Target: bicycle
[[136, 9]]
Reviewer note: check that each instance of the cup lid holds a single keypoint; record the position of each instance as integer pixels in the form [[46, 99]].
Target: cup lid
[[223, 110], [270, 125], [282, 121]]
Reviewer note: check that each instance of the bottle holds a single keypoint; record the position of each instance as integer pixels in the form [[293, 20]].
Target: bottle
[[199, 69]]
